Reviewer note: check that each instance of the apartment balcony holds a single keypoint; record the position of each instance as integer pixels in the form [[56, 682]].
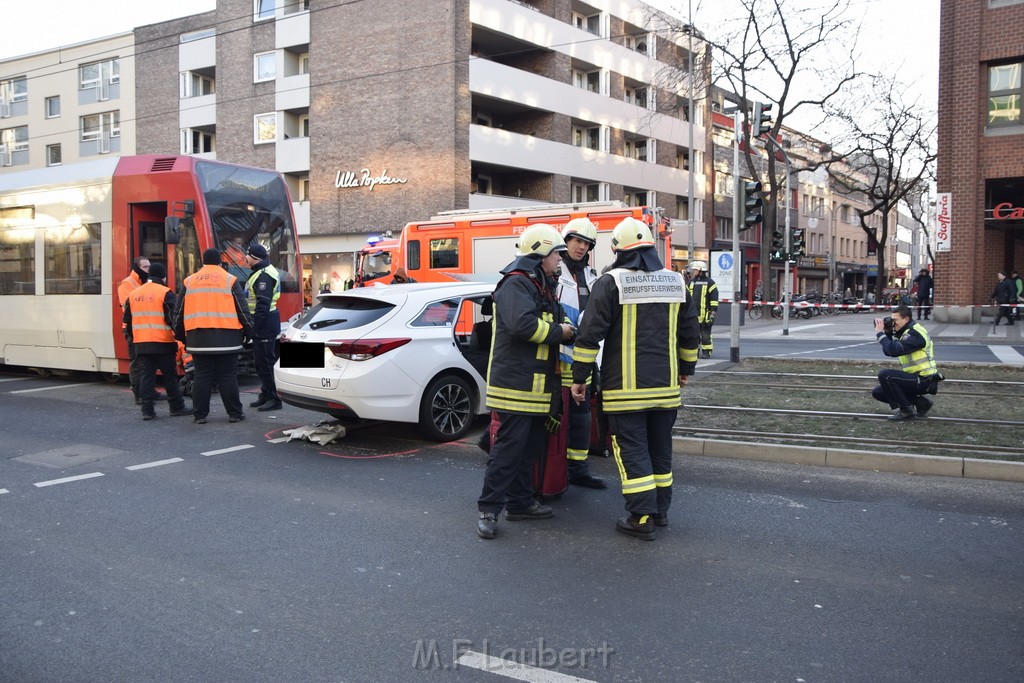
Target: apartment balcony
[[293, 155], [196, 55], [291, 29], [292, 92], [195, 112]]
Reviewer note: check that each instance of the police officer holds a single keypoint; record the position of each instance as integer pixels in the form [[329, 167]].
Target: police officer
[[213, 321], [705, 295], [648, 323], [262, 291], [522, 379], [905, 390], [147, 318], [574, 283]]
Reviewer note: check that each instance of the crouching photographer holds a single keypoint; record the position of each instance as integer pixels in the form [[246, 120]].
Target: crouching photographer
[[906, 390]]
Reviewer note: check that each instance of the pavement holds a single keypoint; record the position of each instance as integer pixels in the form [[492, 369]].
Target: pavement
[[859, 327]]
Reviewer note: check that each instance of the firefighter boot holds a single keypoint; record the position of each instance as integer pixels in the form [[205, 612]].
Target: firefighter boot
[[637, 526], [580, 475]]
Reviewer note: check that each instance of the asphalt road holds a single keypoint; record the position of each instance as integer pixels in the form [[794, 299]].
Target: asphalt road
[[359, 562]]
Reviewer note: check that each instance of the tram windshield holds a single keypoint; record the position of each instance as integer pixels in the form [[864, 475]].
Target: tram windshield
[[249, 206]]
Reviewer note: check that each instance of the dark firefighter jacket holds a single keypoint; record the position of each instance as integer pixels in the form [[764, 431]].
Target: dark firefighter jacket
[[705, 297], [647, 345], [521, 373]]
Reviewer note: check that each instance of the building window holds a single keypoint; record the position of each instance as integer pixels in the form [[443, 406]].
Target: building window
[[304, 188], [263, 9], [641, 150], [304, 63], [265, 128], [51, 106], [53, 156], [193, 84], [587, 80], [98, 126], [196, 141], [304, 126], [637, 96], [723, 228], [636, 198], [94, 74], [589, 23], [589, 138], [1004, 94], [264, 67], [484, 184], [197, 35], [14, 90], [589, 192], [14, 139]]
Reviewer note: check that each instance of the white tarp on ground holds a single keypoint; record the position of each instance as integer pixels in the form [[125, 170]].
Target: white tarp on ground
[[323, 432]]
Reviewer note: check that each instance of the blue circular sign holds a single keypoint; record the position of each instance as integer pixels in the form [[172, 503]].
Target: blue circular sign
[[725, 261]]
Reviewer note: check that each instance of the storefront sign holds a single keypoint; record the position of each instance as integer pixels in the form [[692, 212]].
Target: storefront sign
[[943, 221], [364, 178], [1007, 212]]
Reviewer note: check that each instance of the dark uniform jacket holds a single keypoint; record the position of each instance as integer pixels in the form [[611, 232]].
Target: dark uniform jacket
[[705, 297], [522, 372], [1005, 292], [266, 321], [913, 347], [647, 346]]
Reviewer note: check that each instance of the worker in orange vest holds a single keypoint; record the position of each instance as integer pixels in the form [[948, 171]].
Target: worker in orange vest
[[213, 320], [136, 278], [147, 319]]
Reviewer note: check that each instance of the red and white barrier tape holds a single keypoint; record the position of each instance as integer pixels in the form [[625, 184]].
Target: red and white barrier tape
[[860, 307]]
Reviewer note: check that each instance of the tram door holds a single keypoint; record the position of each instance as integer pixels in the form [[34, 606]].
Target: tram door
[[147, 234]]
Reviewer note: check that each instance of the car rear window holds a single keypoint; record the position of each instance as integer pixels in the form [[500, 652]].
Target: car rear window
[[340, 313]]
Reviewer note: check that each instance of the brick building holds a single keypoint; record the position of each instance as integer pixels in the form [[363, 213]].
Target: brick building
[[981, 151]]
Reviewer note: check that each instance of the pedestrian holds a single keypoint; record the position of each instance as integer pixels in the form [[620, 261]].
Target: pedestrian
[[906, 390], [136, 278], [574, 283], [147, 318], [923, 285], [262, 291], [522, 381], [1003, 295], [704, 292], [1019, 285], [213, 320], [647, 322], [401, 277]]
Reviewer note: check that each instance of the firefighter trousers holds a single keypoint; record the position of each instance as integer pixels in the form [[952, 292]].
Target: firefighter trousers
[[642, 446], [508, 481]]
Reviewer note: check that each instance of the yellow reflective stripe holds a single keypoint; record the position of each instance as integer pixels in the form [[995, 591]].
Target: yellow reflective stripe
[[629, 346], [519, 394], [210, 314], [584, 355], [209, 290], [634, 406], [638, 485], [663, 479], [516, 406], [574, 454], [653, 392], [673, 326], [156, 326], [541, 333], [688, 355], [543, 352]]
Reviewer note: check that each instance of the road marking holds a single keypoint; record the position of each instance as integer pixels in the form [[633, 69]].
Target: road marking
[[62, 386], [280, 439], [228, 450], [1007, 354], [3, 491], [155, 463], [14, 379], [515, 670], [65, 480], [801, 328], [834, 348]]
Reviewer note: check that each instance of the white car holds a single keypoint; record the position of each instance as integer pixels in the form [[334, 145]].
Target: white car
[[400, 353]]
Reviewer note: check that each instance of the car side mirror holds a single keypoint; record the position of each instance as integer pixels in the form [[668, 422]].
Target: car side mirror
[[172, 230]]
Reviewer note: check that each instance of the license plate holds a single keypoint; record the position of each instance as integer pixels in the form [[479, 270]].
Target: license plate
[[302, 355]]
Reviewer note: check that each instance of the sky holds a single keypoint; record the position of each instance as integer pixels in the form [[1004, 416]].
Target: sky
[[896, 35]]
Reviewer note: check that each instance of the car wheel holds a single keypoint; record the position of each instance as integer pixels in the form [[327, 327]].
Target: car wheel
[[446, 411]]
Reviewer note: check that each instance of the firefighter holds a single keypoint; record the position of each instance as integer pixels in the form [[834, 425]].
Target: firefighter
[[262, 291], [647, 322], [147, 319], [521, 378], [704, 292], [574, 283], [213, 321]]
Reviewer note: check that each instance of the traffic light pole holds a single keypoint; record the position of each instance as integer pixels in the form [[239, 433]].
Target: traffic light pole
[[786, 285], [737, 264]]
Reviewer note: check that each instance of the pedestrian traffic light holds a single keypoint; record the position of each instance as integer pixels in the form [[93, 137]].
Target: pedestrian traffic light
[[797, 244], [777, 251], [752, 204], [762, 123]]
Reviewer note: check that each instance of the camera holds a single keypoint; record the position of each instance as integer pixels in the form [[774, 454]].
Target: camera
[[887, 324]]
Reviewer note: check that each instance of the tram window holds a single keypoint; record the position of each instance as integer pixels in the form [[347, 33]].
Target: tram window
[[187, 258], [17, 250], [72, 255], [152, 235]]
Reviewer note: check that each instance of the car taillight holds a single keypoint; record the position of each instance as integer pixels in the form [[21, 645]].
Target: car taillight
[[364, 349]]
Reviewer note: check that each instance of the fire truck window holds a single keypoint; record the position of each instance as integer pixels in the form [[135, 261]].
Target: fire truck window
[[413, 258], [444, 253]]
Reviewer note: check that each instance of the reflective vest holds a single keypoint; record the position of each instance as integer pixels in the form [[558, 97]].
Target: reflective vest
[[251, 295], [125, 289], [209, 302], [148, 323], [922, 361]]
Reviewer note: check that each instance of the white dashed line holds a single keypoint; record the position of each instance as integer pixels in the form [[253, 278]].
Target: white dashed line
[[3, 491], [228, 450], [515, 670], [62, 386], [65, 480], [1007, 354], [155, 463], [13, 379]]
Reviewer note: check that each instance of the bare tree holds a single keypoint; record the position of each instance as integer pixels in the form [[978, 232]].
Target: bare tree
[[891, 155]]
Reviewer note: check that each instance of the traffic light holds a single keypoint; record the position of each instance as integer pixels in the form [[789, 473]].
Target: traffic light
[[777, 251], [752, 204], [762, 123], [797, 245]]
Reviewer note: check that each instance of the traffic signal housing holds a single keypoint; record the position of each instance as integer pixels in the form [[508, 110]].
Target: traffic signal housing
[[798, 244], [777, 251], [762, 123], [752, 203]]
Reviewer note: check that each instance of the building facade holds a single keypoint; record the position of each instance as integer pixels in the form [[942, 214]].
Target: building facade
[[980, 206]]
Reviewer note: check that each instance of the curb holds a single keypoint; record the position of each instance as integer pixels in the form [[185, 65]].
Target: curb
[[903, 463]]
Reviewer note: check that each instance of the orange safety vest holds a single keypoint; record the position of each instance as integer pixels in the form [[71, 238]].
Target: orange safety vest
[[209, 302], [148, 322], [125, 289]]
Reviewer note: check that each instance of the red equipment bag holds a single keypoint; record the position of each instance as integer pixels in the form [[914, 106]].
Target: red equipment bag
[[550, 473]]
